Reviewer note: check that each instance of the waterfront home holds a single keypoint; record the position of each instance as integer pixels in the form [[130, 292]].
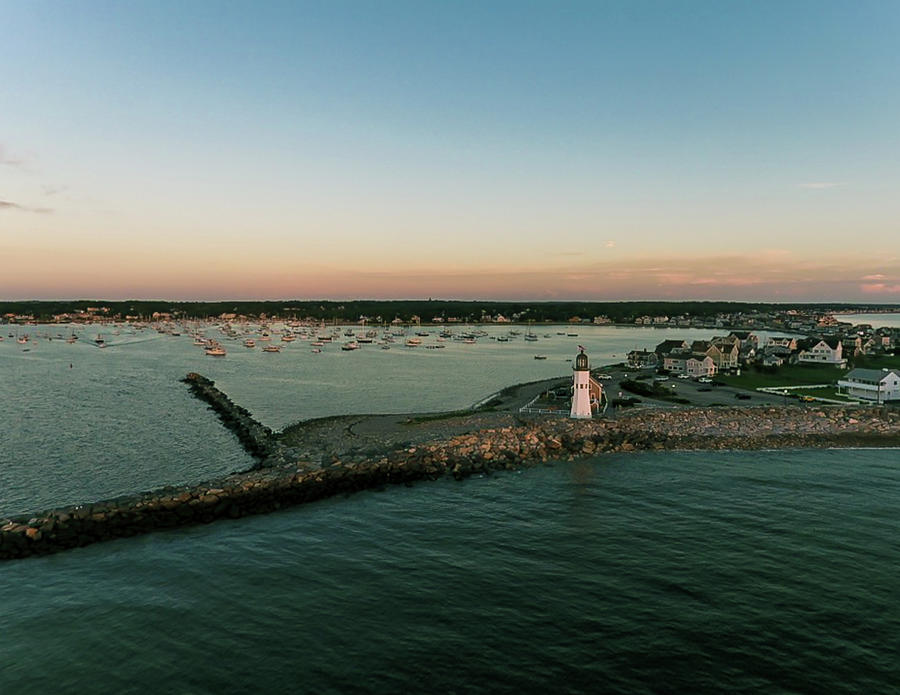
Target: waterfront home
[[642, 359], [876, 385], [668, 347], [827, 351], [852, 344], [730, 349], [771, 359], [782, 342], [724, 357], [690, 365]]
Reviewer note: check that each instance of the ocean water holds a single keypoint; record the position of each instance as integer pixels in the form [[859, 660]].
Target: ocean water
[[888, 319], [745, 572]]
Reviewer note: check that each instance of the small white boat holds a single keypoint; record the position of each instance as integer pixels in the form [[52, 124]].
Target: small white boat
[[215, 351], [352, 345], [250, 343], [316, 350], [272, 348]]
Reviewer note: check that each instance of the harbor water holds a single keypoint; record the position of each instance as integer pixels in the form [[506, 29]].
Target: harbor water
[[757, 571]]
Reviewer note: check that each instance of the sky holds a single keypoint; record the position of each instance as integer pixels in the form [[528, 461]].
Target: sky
[[477, 150]]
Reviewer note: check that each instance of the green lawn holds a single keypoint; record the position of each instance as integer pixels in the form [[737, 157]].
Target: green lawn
[[877, 362], [793, 375], [822, 393]]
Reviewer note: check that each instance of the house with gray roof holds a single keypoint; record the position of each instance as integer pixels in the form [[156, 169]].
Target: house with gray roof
[[876, 385]]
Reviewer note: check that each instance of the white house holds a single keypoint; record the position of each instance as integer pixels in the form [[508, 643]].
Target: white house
[[827, 351], [692, 365], [871, 385]]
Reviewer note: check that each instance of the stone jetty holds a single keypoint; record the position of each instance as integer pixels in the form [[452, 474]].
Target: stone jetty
[[514, 444], [255, 437]]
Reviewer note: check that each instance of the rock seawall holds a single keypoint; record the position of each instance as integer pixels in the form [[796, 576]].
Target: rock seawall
[[481, 451]]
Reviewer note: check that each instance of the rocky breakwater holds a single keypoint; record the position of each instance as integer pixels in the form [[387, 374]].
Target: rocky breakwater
[[480, 451], [255, 437]]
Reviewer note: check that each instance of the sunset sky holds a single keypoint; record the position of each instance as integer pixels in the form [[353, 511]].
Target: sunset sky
[[509, 150]]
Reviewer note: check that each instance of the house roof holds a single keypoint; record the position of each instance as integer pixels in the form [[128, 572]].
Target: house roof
[[669, 345], [871, 374]]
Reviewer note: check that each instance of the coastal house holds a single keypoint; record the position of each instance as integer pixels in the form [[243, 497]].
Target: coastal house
[[642, 359], [674, 363], [771, 359], [724, 357], [876, 385], [668, 347], [827, 351], [695, 366], [730, 348], [782, 342], [745, 338], [690, 365], [851, 345]]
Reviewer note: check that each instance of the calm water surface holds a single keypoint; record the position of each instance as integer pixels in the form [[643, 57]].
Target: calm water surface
[[745, 572], [891, 320]]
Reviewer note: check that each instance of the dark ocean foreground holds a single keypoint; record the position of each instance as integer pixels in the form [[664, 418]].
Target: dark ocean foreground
[[738, 572]]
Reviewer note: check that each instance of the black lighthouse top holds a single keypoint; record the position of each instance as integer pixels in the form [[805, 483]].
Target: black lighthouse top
[[581, 362]]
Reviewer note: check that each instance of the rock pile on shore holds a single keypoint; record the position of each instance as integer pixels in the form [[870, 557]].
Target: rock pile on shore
[[479, 451]]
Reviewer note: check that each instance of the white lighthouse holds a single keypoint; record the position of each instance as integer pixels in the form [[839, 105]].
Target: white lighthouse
[[581, 387]]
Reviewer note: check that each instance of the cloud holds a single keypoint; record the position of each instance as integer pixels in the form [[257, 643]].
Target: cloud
[[8, 205], [876, 276], [610, 244], [820, 185], [880, 288]]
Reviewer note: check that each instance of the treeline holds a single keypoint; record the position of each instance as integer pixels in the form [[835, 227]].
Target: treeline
[[426, 310]]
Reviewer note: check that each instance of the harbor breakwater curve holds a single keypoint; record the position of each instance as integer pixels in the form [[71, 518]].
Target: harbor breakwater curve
[[275, 484]]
